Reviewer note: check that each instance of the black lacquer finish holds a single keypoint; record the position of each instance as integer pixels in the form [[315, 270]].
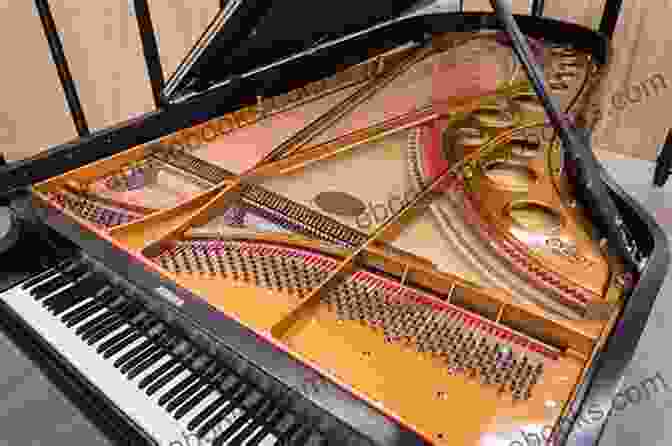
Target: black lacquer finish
[[61, 62], [247, 34], [537, 8], [612, 10], [150, 50], [602, 383]]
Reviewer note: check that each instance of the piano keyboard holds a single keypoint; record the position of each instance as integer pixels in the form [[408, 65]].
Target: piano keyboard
[[169, 387]]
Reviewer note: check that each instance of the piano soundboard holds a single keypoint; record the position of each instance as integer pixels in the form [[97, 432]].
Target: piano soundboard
[[401, 237]]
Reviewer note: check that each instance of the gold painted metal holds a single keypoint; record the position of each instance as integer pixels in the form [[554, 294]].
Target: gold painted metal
[[510, 175], [535, 217]]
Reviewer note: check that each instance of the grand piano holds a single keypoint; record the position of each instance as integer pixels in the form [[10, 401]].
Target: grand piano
[[352, 231]]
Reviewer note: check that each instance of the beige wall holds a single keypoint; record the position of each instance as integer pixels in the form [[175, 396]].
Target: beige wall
[[103, 48], [102, 44]]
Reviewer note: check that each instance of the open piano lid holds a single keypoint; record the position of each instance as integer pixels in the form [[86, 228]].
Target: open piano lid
[[246, 34]]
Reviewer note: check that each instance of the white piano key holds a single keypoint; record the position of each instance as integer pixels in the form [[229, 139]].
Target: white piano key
[[77, 305], [47, 296], [269, 440], [89, 318], [169, 385], [228, 421], [48, 275], [252, 435], [111, 334], [273, 421], [123, 392], [148, 371], [127, 348], [100, 372], [198, 408]]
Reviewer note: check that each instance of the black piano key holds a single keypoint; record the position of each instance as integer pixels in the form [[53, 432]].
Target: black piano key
[[88, 286], [106, 331], [211, 386], [45, 274], [122, 343], [114, 345], [116, 315], [262, 427], [104, 321], [156, 374], [88, 327], [251, 420], [268, 426], [84, 312], [66, 277], [61, 295], [146, 344], [78, 271], [59, 281], [177, 388], [84, 289], [115, 311], [123, 336], [205, 370], [147, 362], [296, 428], [45, 289], [126, 316], [217, 418], [59, 309], [165, 379], [298, 437], [238, 390], [139, 358], [77, 315], [140, 316], [39, 278]]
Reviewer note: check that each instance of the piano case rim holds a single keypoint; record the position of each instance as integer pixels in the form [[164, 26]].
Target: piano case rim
[[608, 366]]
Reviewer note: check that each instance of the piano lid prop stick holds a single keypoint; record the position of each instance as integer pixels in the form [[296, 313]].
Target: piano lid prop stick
[[578, 155]]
